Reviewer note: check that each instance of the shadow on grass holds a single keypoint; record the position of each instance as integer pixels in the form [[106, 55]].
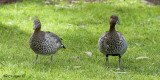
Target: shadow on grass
[[16, 54], [12, 42], [10, 34]]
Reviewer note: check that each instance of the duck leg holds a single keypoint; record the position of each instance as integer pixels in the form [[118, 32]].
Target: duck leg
[[119, 65], [51, 58], [106, 59], [36, 58]]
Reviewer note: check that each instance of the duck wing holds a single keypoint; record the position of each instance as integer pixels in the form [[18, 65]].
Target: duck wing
[[54, 36]]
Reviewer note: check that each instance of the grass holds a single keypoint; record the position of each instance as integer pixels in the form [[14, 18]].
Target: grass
[[80, 25]]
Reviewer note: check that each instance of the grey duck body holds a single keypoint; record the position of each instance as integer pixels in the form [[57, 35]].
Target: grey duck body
[[112, 42], [44, 43]]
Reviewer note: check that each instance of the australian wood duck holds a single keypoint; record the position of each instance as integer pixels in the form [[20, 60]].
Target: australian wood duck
[[45, 43], [112, 42]]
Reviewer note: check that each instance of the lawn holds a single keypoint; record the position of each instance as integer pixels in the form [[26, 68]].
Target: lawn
[[80, 25]]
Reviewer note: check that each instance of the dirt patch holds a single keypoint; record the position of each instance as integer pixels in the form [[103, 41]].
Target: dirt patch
[[9, 1], [156, 2]]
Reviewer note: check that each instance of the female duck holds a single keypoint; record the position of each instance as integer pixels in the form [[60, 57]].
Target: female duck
[[45, 43], [112, 42]]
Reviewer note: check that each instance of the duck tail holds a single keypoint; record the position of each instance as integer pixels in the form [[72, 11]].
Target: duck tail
[[63, 46]]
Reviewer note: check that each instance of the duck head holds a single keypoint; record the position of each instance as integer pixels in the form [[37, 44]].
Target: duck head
[[114, 19], [36, 24]]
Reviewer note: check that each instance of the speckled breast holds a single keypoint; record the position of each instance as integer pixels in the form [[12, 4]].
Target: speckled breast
[[44, 46], [112, 45]]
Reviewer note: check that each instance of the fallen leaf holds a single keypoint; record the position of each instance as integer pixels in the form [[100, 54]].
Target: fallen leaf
[[70, 5], [137, 44], [75, 1], [142, 58], [10, 22], [121, 72], [77, 58], [15, 5], [30, 18], [81, 26], [118, 69], [154, 41], [47, 2], [88, 53], [76, 66]]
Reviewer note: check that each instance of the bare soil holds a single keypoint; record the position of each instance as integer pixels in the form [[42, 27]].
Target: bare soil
[[156, 2]]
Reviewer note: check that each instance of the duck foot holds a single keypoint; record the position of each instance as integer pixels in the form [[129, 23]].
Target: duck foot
[[106, 60], [51, 58], [36, 58], [119, 65]]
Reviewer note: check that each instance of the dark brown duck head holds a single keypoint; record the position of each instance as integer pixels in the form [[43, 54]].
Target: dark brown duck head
[[113, 21], [37, 24]]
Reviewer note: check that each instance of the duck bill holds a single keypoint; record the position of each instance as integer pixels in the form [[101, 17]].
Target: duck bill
[[117, 22], [34, 26]]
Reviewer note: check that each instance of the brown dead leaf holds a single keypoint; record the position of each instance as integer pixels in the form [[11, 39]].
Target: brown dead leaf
[[47, 2], [88, 53], [78, 58], [75, 57], [71, 5]]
